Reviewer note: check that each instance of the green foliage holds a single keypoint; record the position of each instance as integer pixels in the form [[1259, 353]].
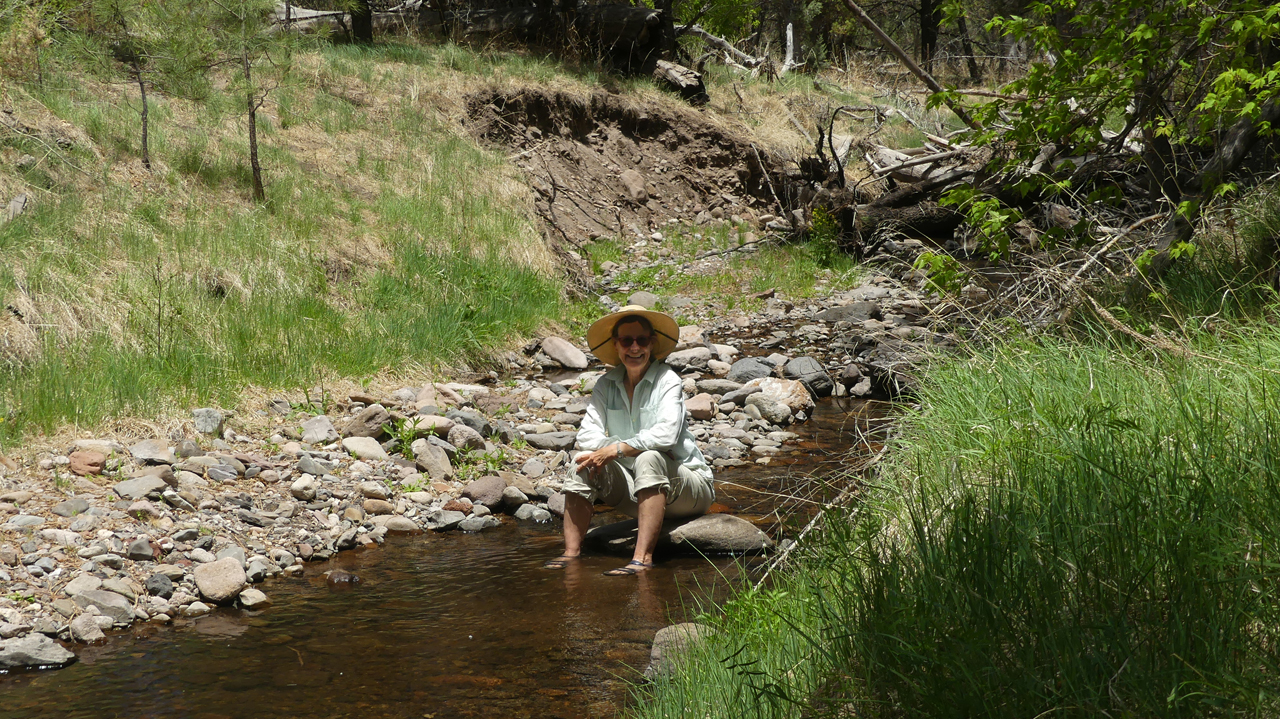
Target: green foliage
[[945, 274], [1173, 68], [986, 215], [405, 433], [823, 238]]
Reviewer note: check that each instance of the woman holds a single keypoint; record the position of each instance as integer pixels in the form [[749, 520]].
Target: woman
[[639, 454]]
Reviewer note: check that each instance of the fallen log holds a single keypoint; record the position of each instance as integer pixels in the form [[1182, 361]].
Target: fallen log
[[747, 61], [683, 80]]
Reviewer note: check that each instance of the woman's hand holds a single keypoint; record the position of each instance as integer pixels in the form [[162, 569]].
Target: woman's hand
[[593, 461]]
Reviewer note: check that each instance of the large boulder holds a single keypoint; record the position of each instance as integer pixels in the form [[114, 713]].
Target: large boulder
[[812, 374], [33, 651], [787, 391], [220, 581], [108, 603], [771, 410], [486, 491], [564, 353], [747, 369], [670, 643], [708, 534]]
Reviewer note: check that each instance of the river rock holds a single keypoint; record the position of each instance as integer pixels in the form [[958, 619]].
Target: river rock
[[474, 420], [432, 460], [787, 391], [513, 498], [564, 353], [378, 506], [85, 463], [109, 604], [670, 643], [253, 599], [208, 421], [692, 358], [717, 386], [319, 430], [855, 312], [71, 507], [62, 536], [701, 407], [647, 300], [140, 549], [486, 490], [396, 523], [463, 437], [82, 583], [369, 423], [159, 585], [747, 369], [555, 441], [531, 513], [812, 374], [140, 488], [152, 451], [232, 552], [85, 629], [721, 534], [771, 410], [24, 521], [431, 424], [106, 447], [364, 447], [441, 520], [373, 490], [708, 534], [221, 580], [304, 488], [32, 651]]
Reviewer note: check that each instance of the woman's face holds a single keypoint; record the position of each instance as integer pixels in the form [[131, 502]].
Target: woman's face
[[634, 357]]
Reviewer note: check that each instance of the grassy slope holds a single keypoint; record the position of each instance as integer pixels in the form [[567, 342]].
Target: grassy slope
[[389, 241], [1068, 525]]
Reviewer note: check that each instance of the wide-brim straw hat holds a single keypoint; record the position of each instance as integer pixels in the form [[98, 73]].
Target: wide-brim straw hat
[[665, 334]]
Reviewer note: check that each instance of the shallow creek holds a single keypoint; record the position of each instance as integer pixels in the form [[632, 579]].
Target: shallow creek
[[441, 626]]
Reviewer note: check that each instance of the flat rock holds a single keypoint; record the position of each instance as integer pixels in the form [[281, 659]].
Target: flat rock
[[33, 651], [108, 603], [647, 300], [140, 487], [378, 506], [152, 451], [853, 312], [364, 447], [564, 353], [71, 507], [397, 523], [670, 643], [24, 521], [717, 386], [441, 520], [319, 430], [220, 581], [253, 599], [552, 440]]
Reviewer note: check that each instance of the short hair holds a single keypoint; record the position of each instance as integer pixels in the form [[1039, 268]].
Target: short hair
[[641, 319]]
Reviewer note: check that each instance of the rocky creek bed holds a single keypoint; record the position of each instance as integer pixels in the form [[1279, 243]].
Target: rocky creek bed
[[148, 531]]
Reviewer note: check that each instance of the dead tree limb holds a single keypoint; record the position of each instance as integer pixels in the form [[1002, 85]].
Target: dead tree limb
[[720, 44], [915, 69]]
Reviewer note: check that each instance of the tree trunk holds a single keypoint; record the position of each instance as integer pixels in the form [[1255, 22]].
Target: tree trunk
[[362, 22], [1232, 149], [667, 26], [142, 87], [975, 73], [259, 194], [930, 18]]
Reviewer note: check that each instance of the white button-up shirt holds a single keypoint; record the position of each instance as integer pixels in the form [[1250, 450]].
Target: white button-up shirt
[[655, 419]]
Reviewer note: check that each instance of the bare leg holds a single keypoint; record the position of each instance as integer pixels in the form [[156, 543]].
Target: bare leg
[[577, 519], [652, 504]]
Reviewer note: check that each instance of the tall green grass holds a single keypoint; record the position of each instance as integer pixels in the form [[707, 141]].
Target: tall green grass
[[1065, 529]]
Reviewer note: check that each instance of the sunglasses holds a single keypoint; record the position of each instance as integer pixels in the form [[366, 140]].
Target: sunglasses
[[642, 341]]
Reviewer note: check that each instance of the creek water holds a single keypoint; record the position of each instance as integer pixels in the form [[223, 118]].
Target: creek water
[[441, 626]]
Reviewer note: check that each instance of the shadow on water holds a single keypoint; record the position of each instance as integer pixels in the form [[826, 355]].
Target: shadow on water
[[441, 626]]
